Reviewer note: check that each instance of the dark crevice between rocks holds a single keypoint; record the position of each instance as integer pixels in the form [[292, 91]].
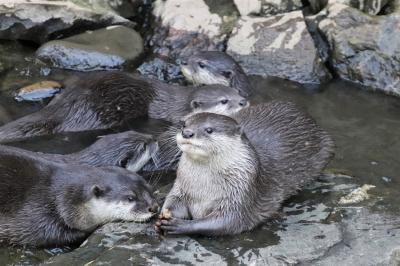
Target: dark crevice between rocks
[[227, 9], [320, 41], [78, 27]]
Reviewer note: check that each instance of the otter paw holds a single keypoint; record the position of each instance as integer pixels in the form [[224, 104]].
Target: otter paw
[[173, 226], [165, 214]]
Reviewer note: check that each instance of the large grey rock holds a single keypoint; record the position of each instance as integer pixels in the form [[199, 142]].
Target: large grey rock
[[372, 7], [364, 49], [107, 48], [41, 20], [187, 26], [267, 7], [278, 46]]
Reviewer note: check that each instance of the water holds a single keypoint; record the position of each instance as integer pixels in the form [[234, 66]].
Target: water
[[365, 127]]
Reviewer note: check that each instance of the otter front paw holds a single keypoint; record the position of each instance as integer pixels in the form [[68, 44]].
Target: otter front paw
[[165, 214], [173, 226]]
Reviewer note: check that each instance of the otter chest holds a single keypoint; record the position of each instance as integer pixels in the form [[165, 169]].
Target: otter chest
[[202, 191]]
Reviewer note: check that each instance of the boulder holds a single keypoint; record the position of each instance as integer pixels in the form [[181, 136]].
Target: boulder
[[160, 69], [364, 49], [278, 46], [372, 7], [107, 48], [42, 20], [267, 7], [187, 26]]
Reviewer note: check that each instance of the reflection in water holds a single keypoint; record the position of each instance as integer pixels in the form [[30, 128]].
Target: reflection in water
[[365, 127]]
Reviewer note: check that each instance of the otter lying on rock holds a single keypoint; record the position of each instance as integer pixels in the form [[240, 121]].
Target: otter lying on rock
[[105, 100], [47, 204], [234, 173], [214, 67]]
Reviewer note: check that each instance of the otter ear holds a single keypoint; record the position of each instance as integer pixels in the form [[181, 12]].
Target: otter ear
[[227, 74], [98, 191], [195, 104]]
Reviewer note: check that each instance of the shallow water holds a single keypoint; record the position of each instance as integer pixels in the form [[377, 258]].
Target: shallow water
[[365, 126]]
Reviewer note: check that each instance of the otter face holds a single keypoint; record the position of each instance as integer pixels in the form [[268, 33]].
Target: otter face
[[125, 197], [130, 150], [214, 67], [217, 99], [206, 135]]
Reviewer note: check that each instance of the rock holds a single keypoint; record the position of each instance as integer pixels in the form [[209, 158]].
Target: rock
[[356, 196], [395, 257], [124, 8], [38, 91], [267, 7], [277, 46], [107, 48], [248, 7], [187, 26], [364, 49], [273, 7], [40, 21], [162, 70], [369, 239], [372, 7]]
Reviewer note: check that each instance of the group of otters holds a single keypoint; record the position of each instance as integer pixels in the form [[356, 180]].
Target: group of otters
[[238, 162]]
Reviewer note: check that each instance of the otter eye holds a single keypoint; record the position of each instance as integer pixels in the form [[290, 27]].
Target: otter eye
[[201, 65], [224, 101], [122, 163], [209, 130], [131, 198]]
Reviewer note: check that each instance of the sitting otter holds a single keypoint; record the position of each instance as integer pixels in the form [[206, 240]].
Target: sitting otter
[[105, 100], [214, 67], [235, 173], [44, 204]]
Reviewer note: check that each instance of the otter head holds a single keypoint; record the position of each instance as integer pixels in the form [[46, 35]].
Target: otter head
[[214, 67], [217, 99], [130, 150], [117, 195], [210, 137]]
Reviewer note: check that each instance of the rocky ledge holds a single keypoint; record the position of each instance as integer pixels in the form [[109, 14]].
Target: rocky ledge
[[42, 20]]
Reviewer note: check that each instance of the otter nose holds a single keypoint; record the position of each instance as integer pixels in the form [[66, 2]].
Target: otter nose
[[155, 208], [183, 62], [243, 102], [187, 133]]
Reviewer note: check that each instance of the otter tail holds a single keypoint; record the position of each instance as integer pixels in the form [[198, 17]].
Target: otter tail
[[26, 127]]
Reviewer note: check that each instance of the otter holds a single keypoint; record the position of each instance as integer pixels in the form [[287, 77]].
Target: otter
[[112, 99], [48, 204], [130, 150], [234, 173], [215, 67]]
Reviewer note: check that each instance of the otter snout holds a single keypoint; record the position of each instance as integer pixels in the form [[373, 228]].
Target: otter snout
[[187, 133], [243, 102], [155, 208]]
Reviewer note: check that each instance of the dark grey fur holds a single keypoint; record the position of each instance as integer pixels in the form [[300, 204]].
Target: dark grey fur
[[105, 100], [288, 150], [40, 200], [120, 149], [221, 66]]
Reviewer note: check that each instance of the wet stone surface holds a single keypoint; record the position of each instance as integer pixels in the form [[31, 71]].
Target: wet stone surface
[[107, 48], [185, 27], [364, 49], [278, 46], [40, 21]]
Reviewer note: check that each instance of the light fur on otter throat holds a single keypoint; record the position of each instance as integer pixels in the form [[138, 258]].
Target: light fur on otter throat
[[234, 178]]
